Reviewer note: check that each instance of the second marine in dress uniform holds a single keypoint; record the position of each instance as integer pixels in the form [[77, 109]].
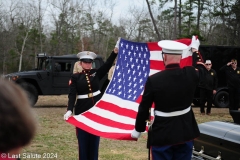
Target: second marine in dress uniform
[[85, 87], [174, 127]]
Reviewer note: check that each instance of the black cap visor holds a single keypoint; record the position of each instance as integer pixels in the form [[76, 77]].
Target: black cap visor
[[86, 60]]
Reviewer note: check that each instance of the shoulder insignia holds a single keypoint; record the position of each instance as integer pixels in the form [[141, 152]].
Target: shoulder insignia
[[212, 73]]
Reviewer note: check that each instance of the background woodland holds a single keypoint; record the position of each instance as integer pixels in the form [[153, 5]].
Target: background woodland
[[58, 27]]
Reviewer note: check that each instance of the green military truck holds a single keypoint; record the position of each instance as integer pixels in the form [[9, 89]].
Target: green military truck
[[51, 77]]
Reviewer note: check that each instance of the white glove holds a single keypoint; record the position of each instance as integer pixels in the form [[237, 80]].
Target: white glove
[[67, 115], [135, 134], [195, 43], [117, 44]]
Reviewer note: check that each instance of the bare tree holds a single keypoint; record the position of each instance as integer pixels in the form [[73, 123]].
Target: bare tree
[[208, 22], [175, 19], [153, 20], [180, 18], [8, 33], [59, 13], [109, 4], [131, 21], [39, 20], [25, 21]]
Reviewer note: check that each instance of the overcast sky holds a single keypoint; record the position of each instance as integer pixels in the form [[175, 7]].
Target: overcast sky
[[123, 6]]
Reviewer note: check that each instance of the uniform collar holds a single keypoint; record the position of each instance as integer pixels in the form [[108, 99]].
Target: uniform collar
[[172, 66], [86, 70]]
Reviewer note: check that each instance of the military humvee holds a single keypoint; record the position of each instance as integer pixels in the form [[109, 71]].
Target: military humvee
[[51, 77]]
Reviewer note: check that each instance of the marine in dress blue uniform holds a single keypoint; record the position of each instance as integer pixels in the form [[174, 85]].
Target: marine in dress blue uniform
[[84, 87], [174, 127]]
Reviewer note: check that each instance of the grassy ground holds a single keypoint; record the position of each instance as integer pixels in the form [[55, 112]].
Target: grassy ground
[[56, 138]]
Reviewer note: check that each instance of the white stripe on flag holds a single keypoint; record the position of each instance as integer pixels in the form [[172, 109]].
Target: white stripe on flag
[[156, 55], [114, 116], [120, 102], [98, 126]]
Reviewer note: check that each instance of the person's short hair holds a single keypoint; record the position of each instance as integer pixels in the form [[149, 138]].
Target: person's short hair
[[234, 60], [17, 122]]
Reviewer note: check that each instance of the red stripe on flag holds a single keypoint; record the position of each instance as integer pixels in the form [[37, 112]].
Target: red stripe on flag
[[108, 122], [157, 65], [153, 46], [119, 136], [186, 62], [139, 99], [185, 41], [116, 109]]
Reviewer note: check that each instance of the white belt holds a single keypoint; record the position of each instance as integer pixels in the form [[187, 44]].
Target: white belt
[[172, 114], [89, 95]]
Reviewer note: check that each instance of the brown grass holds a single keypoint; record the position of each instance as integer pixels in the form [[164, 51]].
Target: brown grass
[[55, 136]]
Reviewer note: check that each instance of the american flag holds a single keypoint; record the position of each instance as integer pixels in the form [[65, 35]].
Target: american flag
[[113, 116]]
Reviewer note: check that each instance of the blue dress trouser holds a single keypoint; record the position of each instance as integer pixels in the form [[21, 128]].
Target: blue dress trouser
[[175, 152], [88, 145]]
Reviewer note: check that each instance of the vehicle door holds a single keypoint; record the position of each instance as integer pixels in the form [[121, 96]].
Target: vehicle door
[[61, 75]]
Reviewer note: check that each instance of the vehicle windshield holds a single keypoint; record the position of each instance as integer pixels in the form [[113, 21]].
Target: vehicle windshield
[[44, 64]]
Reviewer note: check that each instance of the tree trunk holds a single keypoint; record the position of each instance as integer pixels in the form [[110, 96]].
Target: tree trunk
[[20, 63], [175, 20], [82, 42], [179, 19], [153, 21], [189, 21], [21, 53], [4, 64], [198, 15]]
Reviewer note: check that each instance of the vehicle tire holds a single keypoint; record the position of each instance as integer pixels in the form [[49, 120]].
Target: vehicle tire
[[196, 102], [221, 99], [31, 91]]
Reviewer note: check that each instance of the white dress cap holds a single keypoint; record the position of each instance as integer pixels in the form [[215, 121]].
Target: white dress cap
[[172, 47], [86, 55], [208, 62]]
